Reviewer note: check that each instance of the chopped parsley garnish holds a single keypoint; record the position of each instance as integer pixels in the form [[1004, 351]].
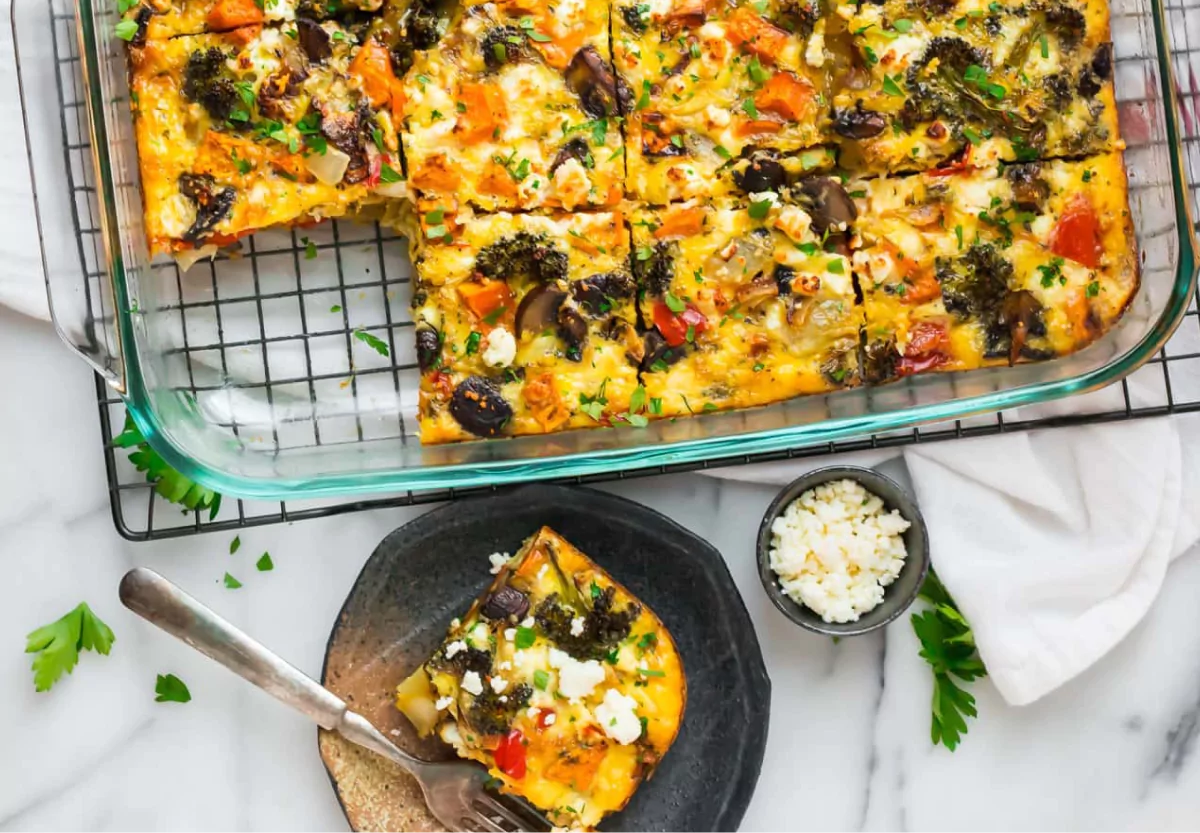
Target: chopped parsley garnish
[[644, 100], [264, 564], [525, 638], [389, 174], [756, 72], [235, 544], [673, 303], [231, 582], [1051, 272], [759, 209], [723, 152], [170, 689], [1092, 289], [656, 405], [310, 250], [891, 87], [653, 672], [126, 30], [750, 109], [473, 342], [958, 233], [541, 679], [58, 644], [902, 25], [374, 342], [836, 266]]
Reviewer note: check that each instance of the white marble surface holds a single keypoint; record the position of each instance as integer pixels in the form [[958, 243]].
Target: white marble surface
[[849, 744]]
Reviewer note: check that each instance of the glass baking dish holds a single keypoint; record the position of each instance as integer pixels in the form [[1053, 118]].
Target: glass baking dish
[[249, 376]]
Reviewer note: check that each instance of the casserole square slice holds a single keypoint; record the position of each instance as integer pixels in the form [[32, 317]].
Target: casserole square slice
[[525, 324], [750, 303], [711, 81], [162, 19], [558, 680], [976, 82], [991, 267], [245, 129], [515, 107]]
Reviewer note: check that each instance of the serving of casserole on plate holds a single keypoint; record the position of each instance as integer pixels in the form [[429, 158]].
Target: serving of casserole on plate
[[622, 212]]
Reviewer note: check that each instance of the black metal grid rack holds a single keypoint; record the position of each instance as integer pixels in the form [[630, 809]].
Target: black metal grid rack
[[1169, 383]]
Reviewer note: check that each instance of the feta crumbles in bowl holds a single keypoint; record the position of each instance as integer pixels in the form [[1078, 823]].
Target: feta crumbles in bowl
[[842, 550]]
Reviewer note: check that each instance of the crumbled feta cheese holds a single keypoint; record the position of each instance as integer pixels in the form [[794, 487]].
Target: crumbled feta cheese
[[472, 684], [541, 572], [443, 703], [455, 647], [505, 666], [550, 718], [835, 548], [572, 184], [794, 222], [499, 684], [527, 622], [575, 679], [577, 626], [510, 634], [618, 718], [455, 622], [717, 116], [814, 54], [478, 637], [498, 559], [500, 350], [503, 698], [533, 712]]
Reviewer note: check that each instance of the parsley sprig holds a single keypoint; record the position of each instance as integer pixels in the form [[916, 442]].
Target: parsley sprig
[[948, 645], [169, 483], [58, 644]]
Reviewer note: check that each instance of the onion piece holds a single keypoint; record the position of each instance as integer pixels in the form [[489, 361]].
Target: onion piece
[[328, 167], [393, 190], [187, 258]]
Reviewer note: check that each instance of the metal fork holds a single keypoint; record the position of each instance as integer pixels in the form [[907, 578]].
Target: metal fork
[[455, 792]]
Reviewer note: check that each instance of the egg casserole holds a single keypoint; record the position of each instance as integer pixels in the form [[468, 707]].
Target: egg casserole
[[564, 685], [623, 211]]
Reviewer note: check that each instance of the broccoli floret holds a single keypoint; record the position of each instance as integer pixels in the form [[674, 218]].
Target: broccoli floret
[[603, 627], [502, 45], [205, 82], [655, 271], [974, 285], [879, 360], [636, 16], [489, 715], [523, 255]]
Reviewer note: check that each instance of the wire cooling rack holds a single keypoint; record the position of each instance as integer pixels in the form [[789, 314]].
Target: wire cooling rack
[[1169, 383]]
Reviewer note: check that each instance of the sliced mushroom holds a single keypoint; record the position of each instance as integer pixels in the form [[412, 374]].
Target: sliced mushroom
[[573, 330], [832, 211], [596, 295], [601, 92], [858, 123], [1021, 313], [429, 347], [212, 205], [657, 350], [760, 172], [313, 40], [502, 45], [576, 149], [1029, 189], [538, 310], [784, 275], [479, 407]]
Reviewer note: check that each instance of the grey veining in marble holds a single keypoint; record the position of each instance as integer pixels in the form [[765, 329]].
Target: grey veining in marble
[[849, 745]]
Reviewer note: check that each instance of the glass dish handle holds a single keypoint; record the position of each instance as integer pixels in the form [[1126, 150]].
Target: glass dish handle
[[75, 260]]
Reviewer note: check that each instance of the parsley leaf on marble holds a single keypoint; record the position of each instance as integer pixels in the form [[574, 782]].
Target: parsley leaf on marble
[[58, 644], [265, 564], [231, 582], [170, 689], [169, 483], [948, 645]]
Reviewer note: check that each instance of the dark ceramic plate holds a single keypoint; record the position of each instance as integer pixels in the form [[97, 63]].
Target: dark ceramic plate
[[430, 570]]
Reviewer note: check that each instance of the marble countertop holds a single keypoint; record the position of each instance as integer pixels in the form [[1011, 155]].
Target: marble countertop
[[849, 745]]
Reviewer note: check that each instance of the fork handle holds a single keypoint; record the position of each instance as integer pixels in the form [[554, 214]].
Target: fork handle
[[164, 605]]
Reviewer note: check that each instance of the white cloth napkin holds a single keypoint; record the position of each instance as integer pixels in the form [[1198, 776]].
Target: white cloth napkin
[[1054, 543]]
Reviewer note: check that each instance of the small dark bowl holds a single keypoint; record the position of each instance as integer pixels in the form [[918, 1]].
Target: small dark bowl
[[897, 596]]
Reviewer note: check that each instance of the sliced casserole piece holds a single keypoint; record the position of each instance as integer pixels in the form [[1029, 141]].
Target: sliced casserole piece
[[992, 267], [749, 303], [525, 323], [558, 680], [254, 128], [711, 81], [163, 19], [515, 106], [971, 82]]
